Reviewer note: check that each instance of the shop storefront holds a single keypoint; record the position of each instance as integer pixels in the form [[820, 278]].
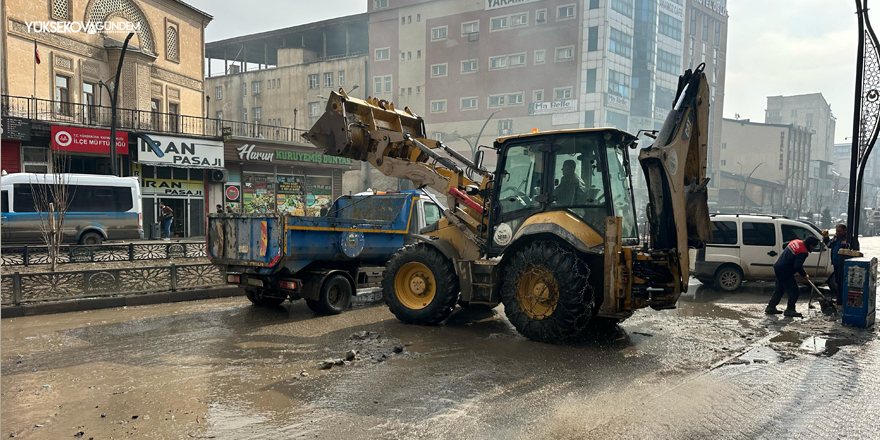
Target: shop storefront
[[15, 131], [87, 150], [181, 178], [294, 179]]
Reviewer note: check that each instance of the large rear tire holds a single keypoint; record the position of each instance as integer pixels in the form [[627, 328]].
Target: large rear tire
[[546, 292], [335, 296], [419, 285], [258, 299]]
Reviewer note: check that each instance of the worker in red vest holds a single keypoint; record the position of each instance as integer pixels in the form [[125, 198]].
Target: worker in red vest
[[790, 262]]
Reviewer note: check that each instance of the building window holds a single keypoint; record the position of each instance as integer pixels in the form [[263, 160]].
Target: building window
[[469, 66], [257, 87], [624, 7], [591, 80], [540, 16], [341, 78], [498, 24], [244, 114], [515, 99], [498, 62], [409, 90], [62, 95], [471, 27], [618, 83], [517, 60], [538, 96], [593, 39], [705, 28], [314, 109], [615, 119], [469, 103], [328, 79], [258, 114], [809, 120], [418, 53], [438, 70], [562, 93], [380, 4], [594, 4], [505, 127], [402, 91], [89, 94], [693, 23], [418, 90], [497, 100], [418, 18], [723, 162], [35, 160], [218, 115], [172, 42], [173, 112], [377, 85], [409, 19], [402, 21], [724, 145], [668, 63], [717, 33], [620, 43], [402, 56], [409, 55], [564, 12], [589, 119], [564, 53], [61, 10], [438, 106], [218, 93], [313, 81], [670, 26], [539, 56], [383, 54], [664, 97], [387, 83], [519, 20], [438, 33]]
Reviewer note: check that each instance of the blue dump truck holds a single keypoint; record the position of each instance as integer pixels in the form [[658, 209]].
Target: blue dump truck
[[323, 260]]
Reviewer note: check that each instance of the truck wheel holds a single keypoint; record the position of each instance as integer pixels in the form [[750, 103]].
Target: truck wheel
[[91, 239], [546, 292], [420, 285], [728, 278], [258, 299], [335, 296]]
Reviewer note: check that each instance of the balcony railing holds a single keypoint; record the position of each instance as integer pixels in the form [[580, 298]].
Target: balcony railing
[[140, 120]]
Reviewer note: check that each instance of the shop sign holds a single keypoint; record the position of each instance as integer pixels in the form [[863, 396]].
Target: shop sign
[[617, 102], [227, 133], [232, 193], [496, 4], [549, 108], [182, 152], [87, 140], [260, 153], [296, 156], [246, 152], [170, 187], [16, 129], [672, 8]]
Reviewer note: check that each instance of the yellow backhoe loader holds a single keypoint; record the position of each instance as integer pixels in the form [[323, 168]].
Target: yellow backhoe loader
[[552, 231]]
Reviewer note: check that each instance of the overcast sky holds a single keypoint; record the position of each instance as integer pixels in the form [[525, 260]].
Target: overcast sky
[[775, 47]]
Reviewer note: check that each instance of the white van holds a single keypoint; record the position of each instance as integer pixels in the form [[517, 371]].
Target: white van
[[101, 208], [745, 247]]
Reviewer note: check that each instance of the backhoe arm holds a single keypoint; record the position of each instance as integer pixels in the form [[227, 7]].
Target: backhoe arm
[[675, 170]]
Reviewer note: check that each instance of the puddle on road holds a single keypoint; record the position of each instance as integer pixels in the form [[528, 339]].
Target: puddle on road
[[818, 345]]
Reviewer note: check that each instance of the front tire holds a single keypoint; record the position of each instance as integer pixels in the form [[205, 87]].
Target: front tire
[[546, 292], [419, 285], [728, 279]]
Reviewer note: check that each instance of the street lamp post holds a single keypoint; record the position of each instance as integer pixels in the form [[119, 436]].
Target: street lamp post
[[114, 94], [477, 142], [746, 184]]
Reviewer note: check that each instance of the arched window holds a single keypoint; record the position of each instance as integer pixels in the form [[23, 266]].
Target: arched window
[[172, 42]]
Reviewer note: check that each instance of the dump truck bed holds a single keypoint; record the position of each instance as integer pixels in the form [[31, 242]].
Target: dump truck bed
[[368, 229]]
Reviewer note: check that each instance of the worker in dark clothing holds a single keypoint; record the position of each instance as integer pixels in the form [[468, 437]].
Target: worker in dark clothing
[[835, 244], [789, 263]]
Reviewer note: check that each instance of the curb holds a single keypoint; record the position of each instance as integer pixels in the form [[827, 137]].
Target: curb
[[118, 301]]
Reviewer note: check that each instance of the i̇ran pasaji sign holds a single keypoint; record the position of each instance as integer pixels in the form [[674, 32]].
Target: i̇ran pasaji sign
[[182, 152]]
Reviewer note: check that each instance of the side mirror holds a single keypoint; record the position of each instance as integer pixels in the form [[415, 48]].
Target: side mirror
[[478, 159]]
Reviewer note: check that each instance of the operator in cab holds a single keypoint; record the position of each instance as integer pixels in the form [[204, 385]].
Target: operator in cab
[[790, 262], [571, 187]]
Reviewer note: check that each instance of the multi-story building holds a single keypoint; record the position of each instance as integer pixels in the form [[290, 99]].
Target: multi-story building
[[811, 111], [706, 42], [777, 153], [459, 63]]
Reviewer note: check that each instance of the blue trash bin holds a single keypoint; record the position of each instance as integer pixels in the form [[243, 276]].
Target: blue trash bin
[[859, 291]]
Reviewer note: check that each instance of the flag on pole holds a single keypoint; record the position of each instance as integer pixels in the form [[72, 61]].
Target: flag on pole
[[36, 53]]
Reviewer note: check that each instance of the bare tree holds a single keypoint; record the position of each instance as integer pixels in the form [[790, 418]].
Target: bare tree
[[52, 198]]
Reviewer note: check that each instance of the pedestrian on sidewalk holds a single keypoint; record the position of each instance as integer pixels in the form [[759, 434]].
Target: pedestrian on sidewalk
[[835, 244], [166, 217], [789, 263], [219, 209]]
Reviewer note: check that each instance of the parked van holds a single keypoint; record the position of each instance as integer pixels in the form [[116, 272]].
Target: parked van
[[100, 208], [745, 247]]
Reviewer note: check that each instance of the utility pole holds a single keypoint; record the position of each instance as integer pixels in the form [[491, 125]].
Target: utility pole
[[746, 184], [114, 156]]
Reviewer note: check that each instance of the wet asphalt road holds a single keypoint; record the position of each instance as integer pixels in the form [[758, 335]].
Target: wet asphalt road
[[714, 367]]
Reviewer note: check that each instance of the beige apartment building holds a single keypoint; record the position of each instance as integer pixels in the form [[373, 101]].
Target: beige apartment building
[[162, 70], [778, 154]]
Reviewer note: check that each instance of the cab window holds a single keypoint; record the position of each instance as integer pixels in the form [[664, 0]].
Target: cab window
[[791, 232], [759, 234], [723, 233], [432, 213], [621, 193], [521, 181]]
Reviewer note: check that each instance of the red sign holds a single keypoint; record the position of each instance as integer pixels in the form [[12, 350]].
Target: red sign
[[232, 193], [87, 140]]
